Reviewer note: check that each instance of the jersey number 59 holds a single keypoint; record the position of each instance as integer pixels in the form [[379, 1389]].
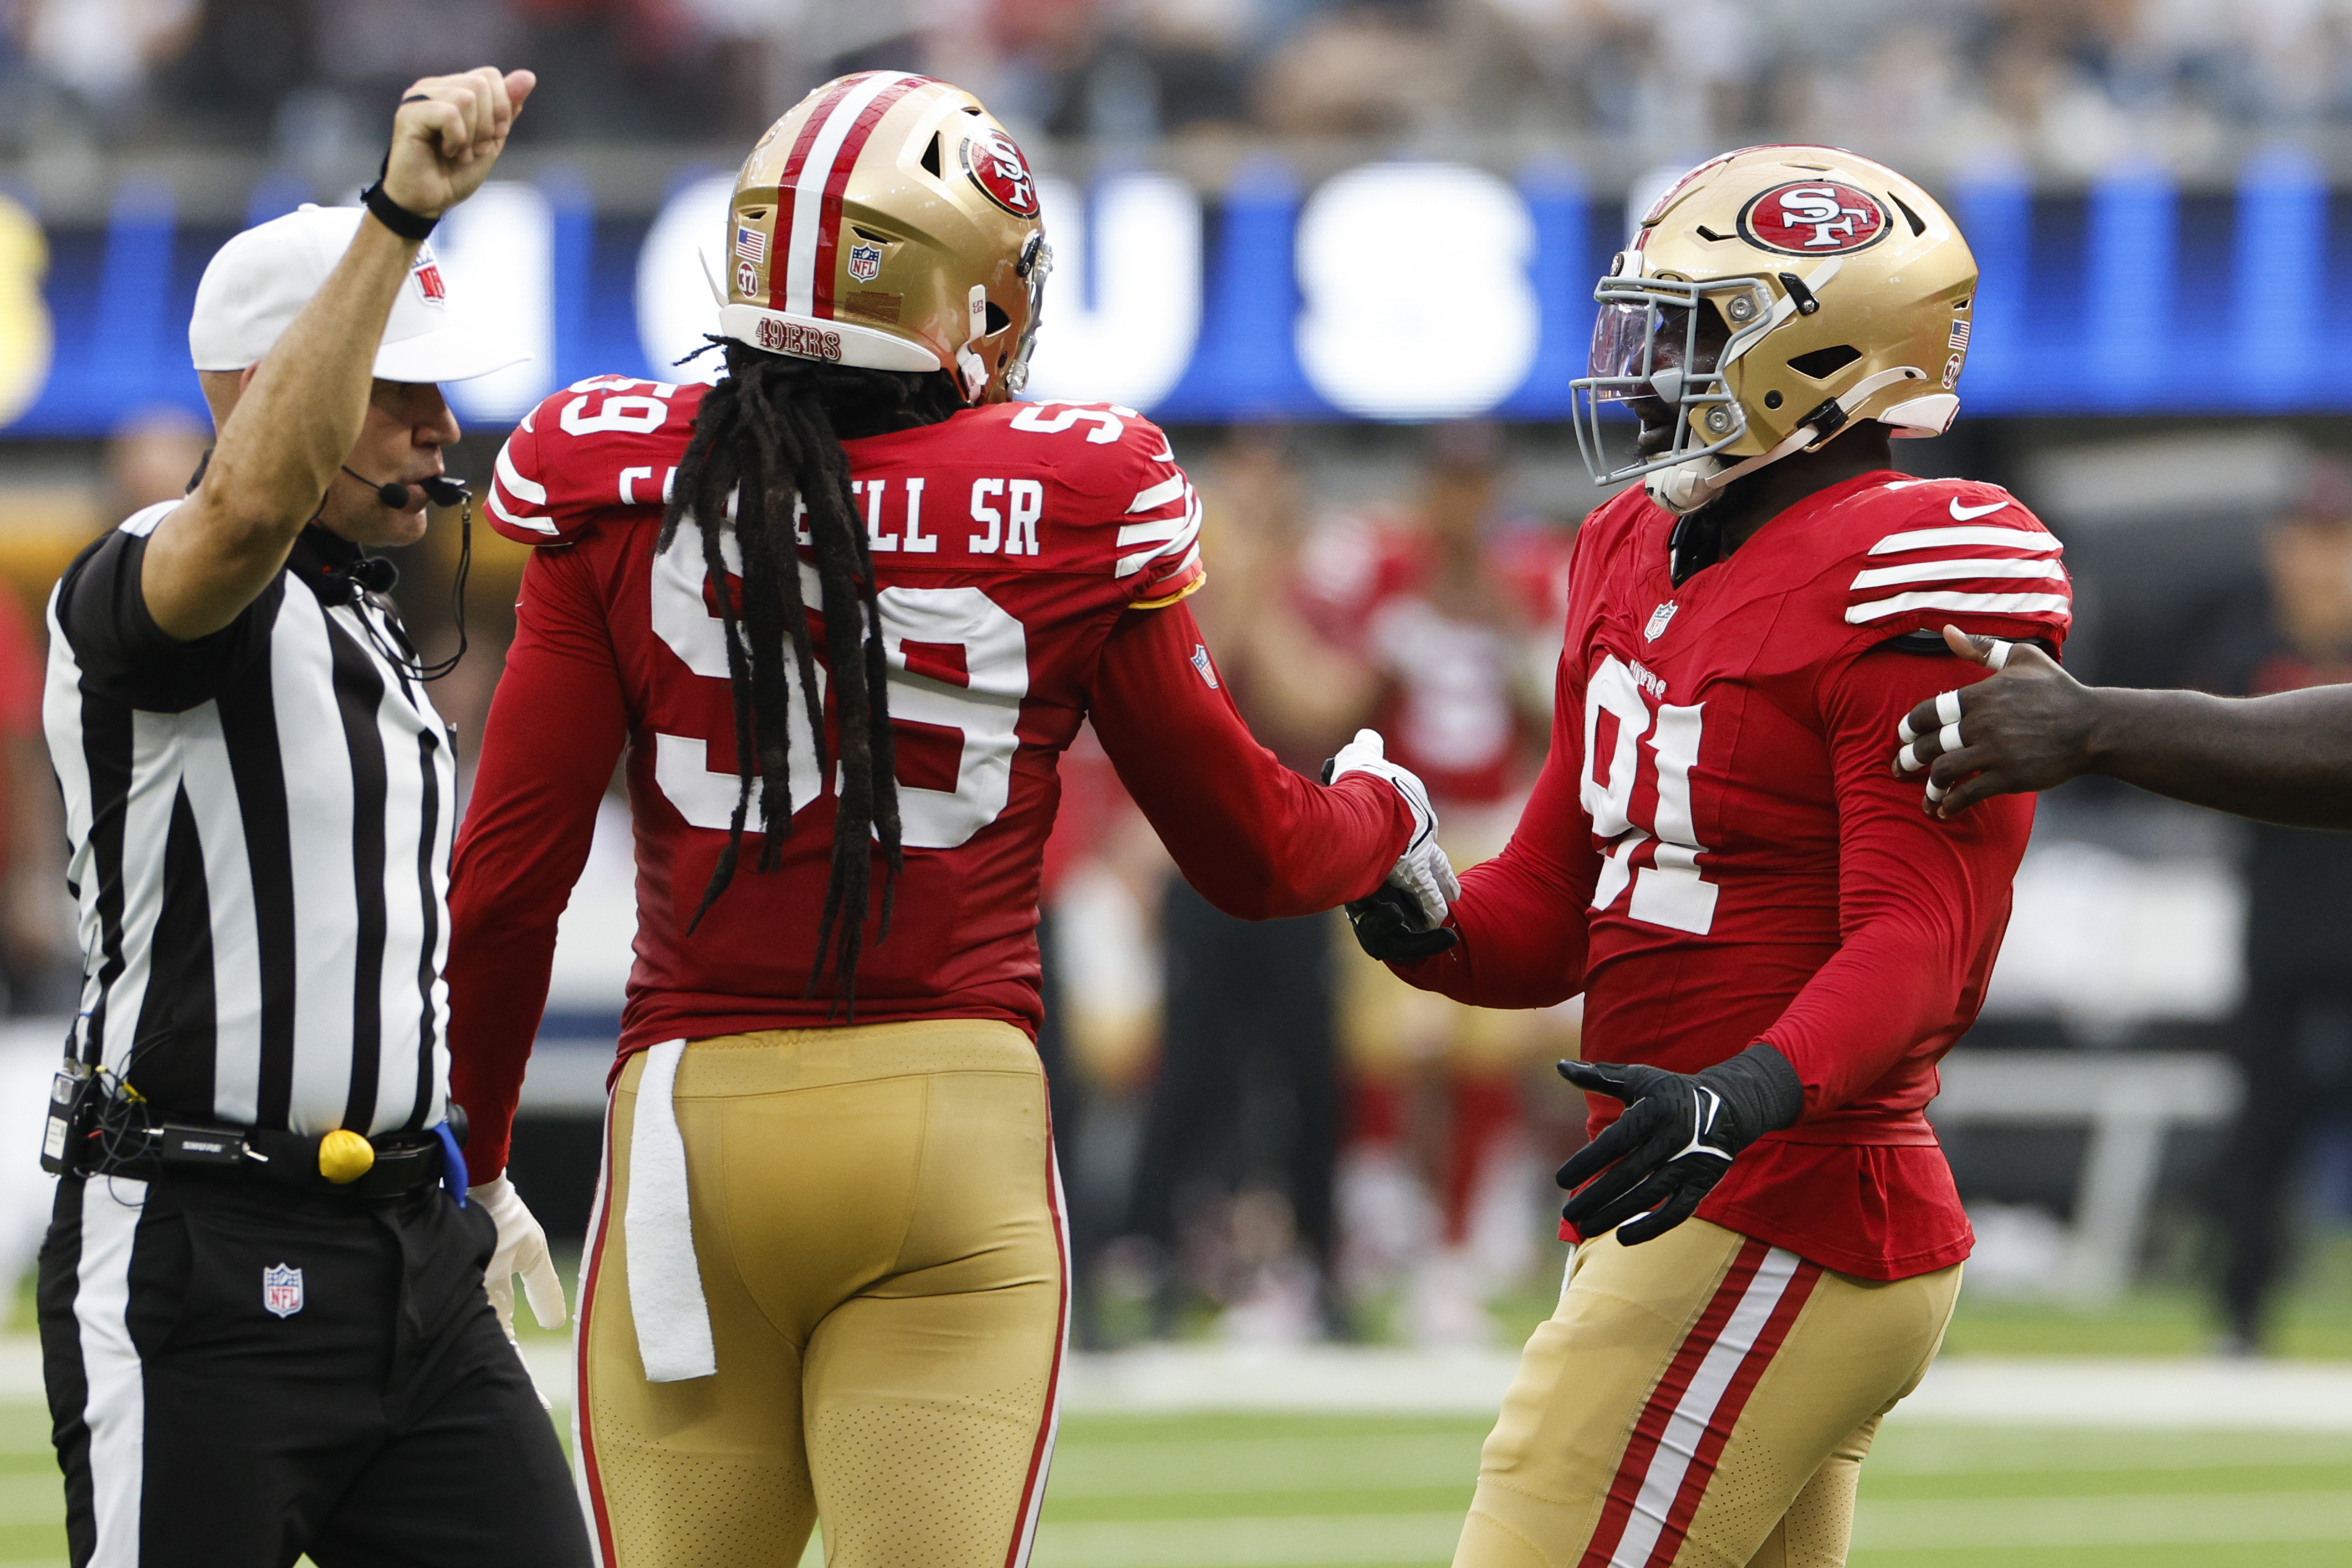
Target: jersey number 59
[[985, 710], [1647, 835]]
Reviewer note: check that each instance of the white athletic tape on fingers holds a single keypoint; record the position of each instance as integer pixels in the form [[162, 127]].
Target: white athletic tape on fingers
[[1948, 739], [1909, 760], [1936, 792], [1903, 731], [1998, 658], [1947, 708]]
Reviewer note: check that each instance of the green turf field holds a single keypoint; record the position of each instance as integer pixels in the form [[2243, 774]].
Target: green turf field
[[1305, 1491], [1309, 1492], [1230, 1492]]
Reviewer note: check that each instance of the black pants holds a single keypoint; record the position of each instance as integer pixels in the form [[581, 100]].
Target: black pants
[[2294, 1046], [1248, 1070], [238, 1374]]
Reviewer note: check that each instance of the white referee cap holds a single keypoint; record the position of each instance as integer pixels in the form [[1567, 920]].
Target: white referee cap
[[258, 283]]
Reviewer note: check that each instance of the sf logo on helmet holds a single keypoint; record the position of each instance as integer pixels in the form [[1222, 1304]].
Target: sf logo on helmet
[[997, 167], [1813, 217]]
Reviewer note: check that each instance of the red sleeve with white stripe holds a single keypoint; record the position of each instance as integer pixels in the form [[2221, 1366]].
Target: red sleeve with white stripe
[[1968, 554], [609, 442], [1159, 541], [1124, 471]]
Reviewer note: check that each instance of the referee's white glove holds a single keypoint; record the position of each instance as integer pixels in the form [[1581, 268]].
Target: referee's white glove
[[1422, 872], [521, 1249]]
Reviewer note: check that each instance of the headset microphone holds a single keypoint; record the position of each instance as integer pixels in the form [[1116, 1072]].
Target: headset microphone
[[440, 490], [376, 575]]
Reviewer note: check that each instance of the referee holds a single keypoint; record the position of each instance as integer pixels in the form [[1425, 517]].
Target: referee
[[263, 1315]]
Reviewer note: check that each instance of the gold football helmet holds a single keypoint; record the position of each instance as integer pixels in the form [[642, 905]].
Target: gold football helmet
[[887, 220], [1841, 291]]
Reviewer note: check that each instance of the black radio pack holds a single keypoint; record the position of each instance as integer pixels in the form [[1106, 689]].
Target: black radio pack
[[73, 1112], [97, 1122]]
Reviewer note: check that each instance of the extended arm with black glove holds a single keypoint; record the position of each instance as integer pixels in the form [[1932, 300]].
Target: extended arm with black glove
[[1680, 1132], [1388, 927]]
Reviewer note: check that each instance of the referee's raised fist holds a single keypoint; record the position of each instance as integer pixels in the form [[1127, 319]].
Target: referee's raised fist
[[448, 132]]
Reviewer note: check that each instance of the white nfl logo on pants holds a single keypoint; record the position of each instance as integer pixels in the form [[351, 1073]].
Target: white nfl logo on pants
[[281, 1290]]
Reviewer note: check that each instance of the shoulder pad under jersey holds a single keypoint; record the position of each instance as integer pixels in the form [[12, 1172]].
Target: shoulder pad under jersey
[[1927, 552], [607, 443], [1119, 473]]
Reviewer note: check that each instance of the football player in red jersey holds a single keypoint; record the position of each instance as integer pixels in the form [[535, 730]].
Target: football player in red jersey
[[843, 609], [1775, 945]]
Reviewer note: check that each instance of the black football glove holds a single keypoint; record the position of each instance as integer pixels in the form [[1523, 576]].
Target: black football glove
[[1387, 925], [1680, 1132]]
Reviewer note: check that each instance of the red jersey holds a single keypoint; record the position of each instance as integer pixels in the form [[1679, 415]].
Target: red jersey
[[1451, 714], [1718, 851], [1028, 559]]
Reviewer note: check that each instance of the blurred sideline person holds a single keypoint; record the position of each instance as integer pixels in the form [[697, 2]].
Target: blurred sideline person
[[264, 1324], [1774, 947], [150, 456], [1247, 1092], [1435, 603], [827, 1273], [2290, 644], [36, 936]]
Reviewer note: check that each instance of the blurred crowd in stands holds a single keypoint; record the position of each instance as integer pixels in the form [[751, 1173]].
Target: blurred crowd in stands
[[2065, 85]]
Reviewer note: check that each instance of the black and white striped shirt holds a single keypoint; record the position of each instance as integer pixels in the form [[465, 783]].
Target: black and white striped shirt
[[259, 823]]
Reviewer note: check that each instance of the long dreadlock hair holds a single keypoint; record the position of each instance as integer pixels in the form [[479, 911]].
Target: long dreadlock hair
[[768, 435]]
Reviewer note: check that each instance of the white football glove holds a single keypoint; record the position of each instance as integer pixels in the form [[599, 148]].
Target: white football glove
[[1422, 872], [521, 1249]]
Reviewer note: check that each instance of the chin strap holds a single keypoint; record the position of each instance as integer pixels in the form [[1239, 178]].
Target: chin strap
[[1687, 487]]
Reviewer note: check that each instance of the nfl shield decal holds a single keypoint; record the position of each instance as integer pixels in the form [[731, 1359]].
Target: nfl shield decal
[[281, 1290], [427, 273], [1813, 217], [865, 262], [1658, 619]]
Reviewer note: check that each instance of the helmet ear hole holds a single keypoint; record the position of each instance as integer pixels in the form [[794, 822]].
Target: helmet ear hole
[[931, 165], [1822, 363], [997, 319]]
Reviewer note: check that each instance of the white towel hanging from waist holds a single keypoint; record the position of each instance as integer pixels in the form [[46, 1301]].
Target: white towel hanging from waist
[[665, 1277]]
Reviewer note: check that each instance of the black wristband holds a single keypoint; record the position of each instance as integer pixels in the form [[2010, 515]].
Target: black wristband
[[1763, 1088], [391, 214]]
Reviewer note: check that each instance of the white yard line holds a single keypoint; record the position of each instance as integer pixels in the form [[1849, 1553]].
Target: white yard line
[[2186, 1395]]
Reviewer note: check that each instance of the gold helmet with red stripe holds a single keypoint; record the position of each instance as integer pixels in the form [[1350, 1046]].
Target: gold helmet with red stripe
[[889, 221], [1838, 289]]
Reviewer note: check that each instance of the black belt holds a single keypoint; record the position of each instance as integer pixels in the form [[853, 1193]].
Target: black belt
[[403, 1161]]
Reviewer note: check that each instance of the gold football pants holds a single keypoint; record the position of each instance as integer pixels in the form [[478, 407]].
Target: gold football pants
[[1700, 1401], [877, 1225]]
